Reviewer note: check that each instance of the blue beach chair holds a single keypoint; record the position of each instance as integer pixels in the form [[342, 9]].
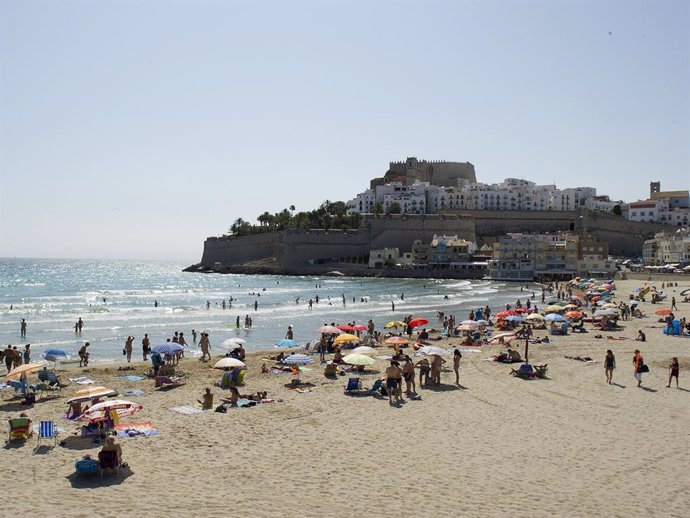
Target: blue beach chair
[[47, 430]]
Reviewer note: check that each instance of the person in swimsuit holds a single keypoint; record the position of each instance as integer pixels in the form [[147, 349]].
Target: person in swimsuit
[[424, 370], [457, 356], [394, 381], [609, 365], [638, 362], [408, 375], [673, 369]]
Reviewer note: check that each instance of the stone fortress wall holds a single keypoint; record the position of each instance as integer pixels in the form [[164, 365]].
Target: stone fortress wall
[[299, 248]]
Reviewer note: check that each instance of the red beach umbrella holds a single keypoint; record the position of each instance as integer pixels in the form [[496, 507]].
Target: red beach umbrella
[[415, 322]]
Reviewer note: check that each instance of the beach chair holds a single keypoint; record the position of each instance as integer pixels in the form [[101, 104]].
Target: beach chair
[[354, 388], [525, 371], [169, 381], [19, 387], [50, 382], [540, 370], [20, 428], [376, 388], [86, 466], [108, 460], [47, 430]]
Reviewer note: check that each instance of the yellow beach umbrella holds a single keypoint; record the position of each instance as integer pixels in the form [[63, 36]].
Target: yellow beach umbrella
[[345, 338], [396, 340], [395, 323]]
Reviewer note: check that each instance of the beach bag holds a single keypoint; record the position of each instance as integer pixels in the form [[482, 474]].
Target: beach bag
[[221, 409], [643, 368], [124, 352]]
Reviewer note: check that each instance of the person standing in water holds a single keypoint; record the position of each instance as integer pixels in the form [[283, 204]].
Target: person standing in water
[[22, 328]]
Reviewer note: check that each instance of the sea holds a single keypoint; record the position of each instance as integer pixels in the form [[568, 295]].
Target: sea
[[116, 299]]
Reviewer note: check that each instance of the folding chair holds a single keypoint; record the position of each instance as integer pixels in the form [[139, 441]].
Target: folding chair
[[47, 430]]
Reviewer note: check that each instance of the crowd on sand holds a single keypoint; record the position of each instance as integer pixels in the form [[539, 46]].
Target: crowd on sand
[[410, 347]]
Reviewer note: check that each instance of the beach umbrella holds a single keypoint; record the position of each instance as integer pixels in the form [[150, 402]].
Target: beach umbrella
[[416, 322], [345, 327], [554, 317], [395, 323], [483, 322], [89, 393], [534, 317], [345, 338], [297, 359], [329, 330], [167, 348], [504, 314], [466, 327], [363, 349], [663, 312], [573, 314], [27, 368], [358, 359], [286, 342], [396, 340], [360, 327], [432, 349], [58, 354], [605, 312], [473, 323], [232, 343], [230, 363], [99, 411], [553, 308], [514, 318]]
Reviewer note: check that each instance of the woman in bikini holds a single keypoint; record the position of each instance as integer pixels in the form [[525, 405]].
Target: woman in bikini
[[457, 356], [673, 369], [609, 365]]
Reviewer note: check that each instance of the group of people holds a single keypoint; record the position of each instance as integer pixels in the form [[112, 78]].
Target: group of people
[[14, 357], [639, 368]]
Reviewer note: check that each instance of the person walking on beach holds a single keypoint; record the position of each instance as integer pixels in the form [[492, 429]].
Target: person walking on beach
[[9, 358], [145, 346], [457, 356], [205, 346], [638, 363], [673, 304], [673, 369], [609, 365], [22, 328], [128, 348]]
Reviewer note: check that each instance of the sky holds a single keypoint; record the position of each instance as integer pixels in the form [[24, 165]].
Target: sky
[[135, 129]]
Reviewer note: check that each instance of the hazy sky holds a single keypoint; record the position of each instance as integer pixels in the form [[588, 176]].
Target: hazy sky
[[135, 129]]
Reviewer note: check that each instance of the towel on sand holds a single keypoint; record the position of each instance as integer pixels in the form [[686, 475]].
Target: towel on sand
[[136, 429], [82, 380], [131, 377], [186, 410], [133, 392]]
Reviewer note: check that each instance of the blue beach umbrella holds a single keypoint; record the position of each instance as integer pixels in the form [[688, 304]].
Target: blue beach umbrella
[[55, 355], [286, 342], [167, 348], [514, 318], [555, 317]]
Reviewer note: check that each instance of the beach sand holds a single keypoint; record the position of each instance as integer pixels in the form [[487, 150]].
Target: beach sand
[[569, 445]]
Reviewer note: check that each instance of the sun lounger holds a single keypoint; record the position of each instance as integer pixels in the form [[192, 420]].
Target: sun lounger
[[525, 371]]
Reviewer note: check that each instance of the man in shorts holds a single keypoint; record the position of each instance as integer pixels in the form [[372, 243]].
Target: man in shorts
[[394, 376]]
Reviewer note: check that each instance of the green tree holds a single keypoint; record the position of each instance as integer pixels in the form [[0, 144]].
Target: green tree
[[394, 208], [617, 210], [377, 209]]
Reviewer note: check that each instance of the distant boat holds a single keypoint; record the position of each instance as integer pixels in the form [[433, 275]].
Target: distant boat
[[336, 273]]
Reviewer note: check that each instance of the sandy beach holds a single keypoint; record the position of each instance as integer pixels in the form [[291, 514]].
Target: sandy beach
[[568, 445]]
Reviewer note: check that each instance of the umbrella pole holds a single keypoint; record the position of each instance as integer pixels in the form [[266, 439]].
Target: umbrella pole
[[526, 349]]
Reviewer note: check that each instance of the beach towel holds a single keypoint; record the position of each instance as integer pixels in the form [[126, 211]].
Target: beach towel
[[278, 371], [82, 380], [131, 377], [617, 338], [133, 392], [136, 429], [186, 410]]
